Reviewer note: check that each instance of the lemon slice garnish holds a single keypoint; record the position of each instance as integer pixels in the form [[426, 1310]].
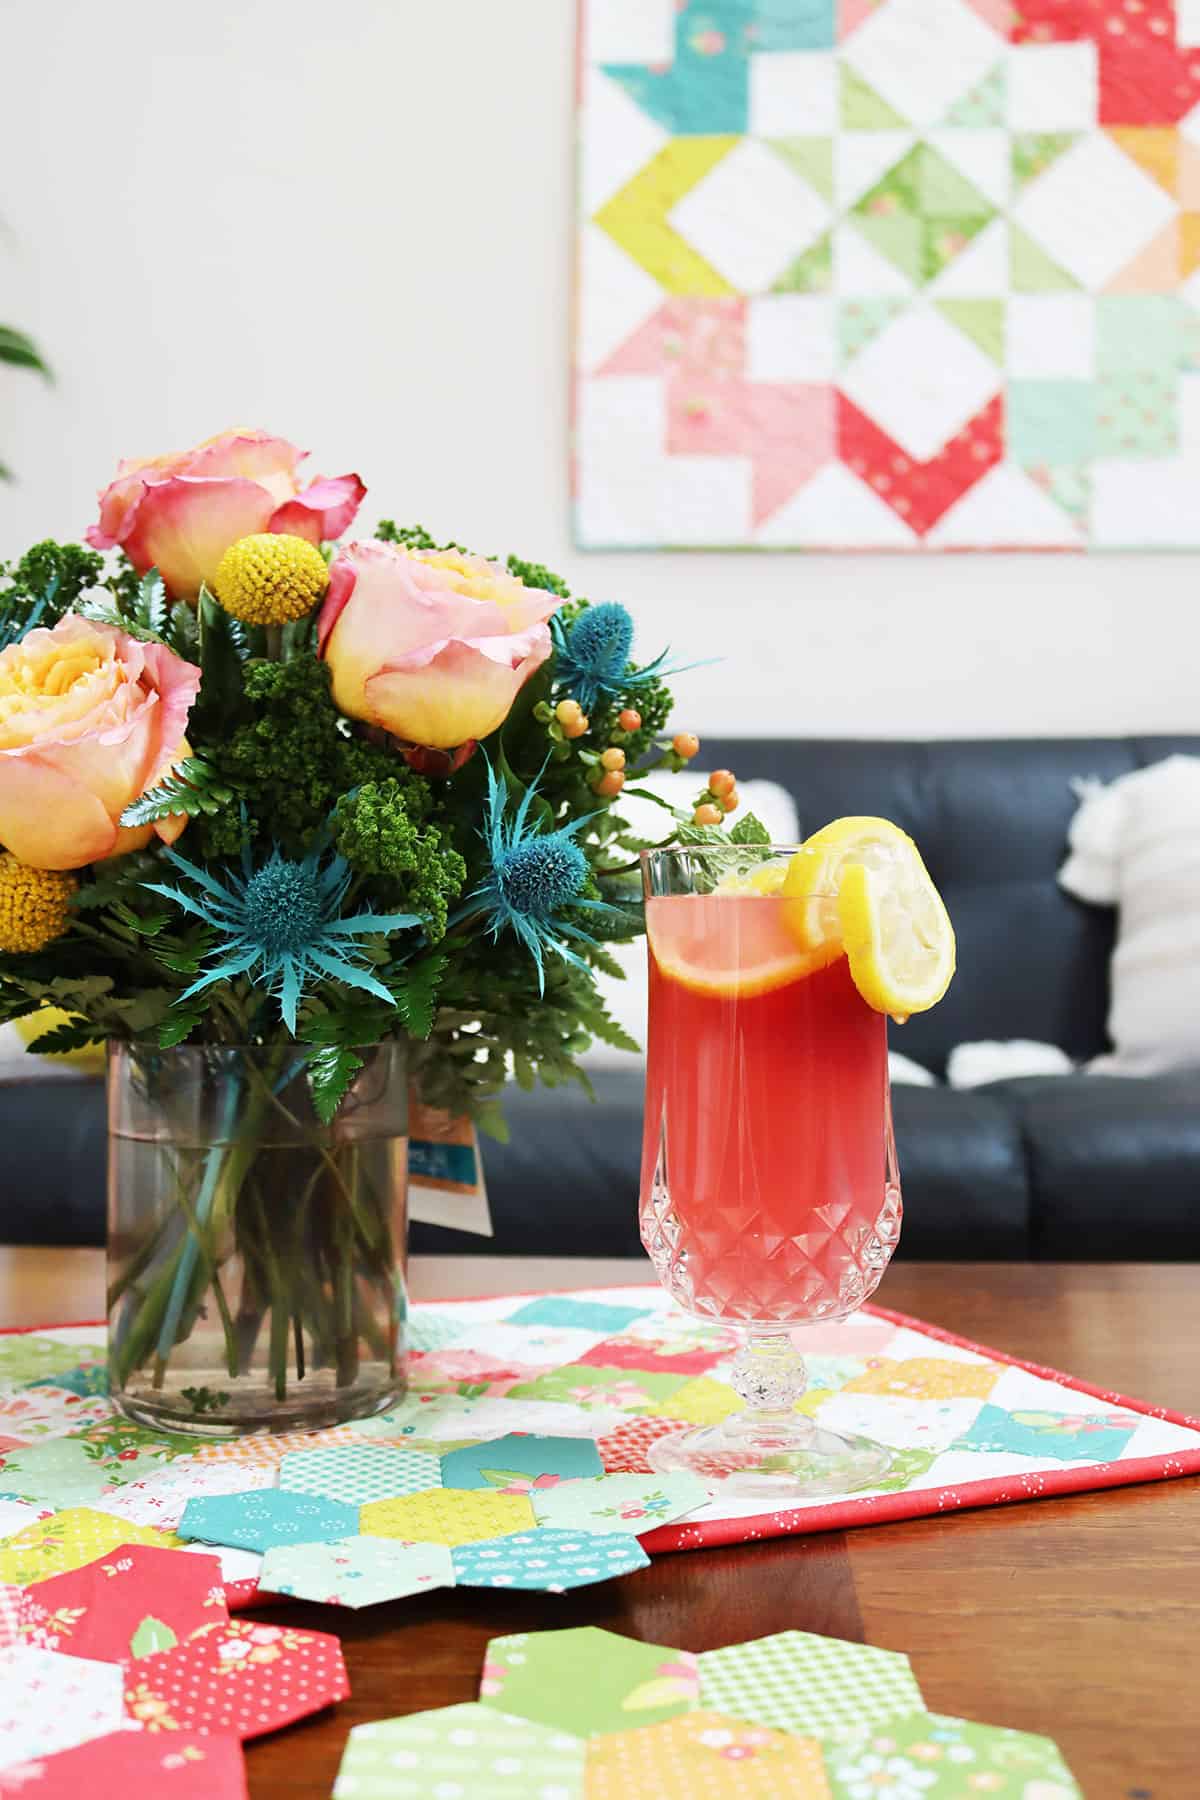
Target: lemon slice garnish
[[887, 915]]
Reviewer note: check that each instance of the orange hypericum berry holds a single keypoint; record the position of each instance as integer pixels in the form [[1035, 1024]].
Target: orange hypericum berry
[[629, 719], [609, 784], [721, 782], [706, 815], [686, 744], [576, 728], [731, 801], [612, 759], [568, 712]]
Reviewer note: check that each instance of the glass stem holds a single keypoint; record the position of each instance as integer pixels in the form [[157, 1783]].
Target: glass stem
[[769, 1375]]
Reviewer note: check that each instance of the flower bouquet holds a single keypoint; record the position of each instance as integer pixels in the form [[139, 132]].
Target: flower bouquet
[[291, 823]]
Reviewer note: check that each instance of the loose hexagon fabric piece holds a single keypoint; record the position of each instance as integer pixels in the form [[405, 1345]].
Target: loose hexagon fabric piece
[[130, 1604], [359, 1472], [447, 1516], [548, 1561], [256, 1521], [469, 1752], [797, 1681], [520, 1461], [356, 1571], [238, 1677], [586, 1680], [176, 1765], [52, 1702], [629, 1503], [68, 1540], [706, 1756], [940, 1758]]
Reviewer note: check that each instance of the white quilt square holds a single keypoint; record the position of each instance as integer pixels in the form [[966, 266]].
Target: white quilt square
[[790, 337], [1052, 87], [793, 93], [1050, 337]]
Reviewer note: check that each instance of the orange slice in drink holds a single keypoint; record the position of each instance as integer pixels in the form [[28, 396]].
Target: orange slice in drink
[[728, 944]]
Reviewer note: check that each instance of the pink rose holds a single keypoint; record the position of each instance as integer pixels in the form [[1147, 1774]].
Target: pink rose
[[89, 719], [179, 513], [432, 645]]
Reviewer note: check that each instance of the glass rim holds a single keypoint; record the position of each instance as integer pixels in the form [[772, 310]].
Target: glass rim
[[767, 853], [766, 850]]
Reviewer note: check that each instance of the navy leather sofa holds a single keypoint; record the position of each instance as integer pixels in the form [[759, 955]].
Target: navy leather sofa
[[1075, 1166]]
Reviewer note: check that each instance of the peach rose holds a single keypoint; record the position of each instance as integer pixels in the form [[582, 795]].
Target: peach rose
[[89, 719], [432, 645], [180, 513]]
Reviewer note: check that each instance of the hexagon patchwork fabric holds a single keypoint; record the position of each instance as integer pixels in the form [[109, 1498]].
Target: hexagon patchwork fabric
[[547, 1560], [796, 1681], [460, 1751], [447, 1516], [923, 274], [359, 1472], [256, 1521], [587, 1680], [356, 1571]]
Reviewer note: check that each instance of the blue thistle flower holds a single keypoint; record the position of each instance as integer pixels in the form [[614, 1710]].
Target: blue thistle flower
[[281, 924], [534, 876], [593, 655], [12, 628]]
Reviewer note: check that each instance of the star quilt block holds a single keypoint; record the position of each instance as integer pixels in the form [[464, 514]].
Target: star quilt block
[[922, 274]]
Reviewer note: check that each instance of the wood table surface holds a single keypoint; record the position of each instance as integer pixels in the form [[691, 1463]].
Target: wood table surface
[[1078, 1617]]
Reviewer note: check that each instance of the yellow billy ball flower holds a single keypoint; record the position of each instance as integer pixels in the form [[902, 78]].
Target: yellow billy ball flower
[[33, 905], [270, 578]]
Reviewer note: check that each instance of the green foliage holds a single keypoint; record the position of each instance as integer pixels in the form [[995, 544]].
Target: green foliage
[[539, 576], [290, 757], [377, 833], [48, 579], [412, 537], [194, 787], [331, 1069], [749, 830]]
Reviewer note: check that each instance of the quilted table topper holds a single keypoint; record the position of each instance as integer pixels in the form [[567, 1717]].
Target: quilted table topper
[[888, 276]]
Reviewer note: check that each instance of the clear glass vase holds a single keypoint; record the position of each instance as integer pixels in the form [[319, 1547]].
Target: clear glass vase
[[255, 1255]]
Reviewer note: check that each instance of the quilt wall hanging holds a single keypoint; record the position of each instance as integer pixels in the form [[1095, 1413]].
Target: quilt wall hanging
[[910, 274]]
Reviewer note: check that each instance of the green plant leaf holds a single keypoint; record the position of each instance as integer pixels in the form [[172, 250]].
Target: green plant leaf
[[19, 350], [330, 1072], [415, 993], [71, 1034], [151, 1636], [192, 787], [750, 830]]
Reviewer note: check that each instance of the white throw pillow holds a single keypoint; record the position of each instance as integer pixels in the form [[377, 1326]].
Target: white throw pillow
[[626, 1000], [1135, 845]]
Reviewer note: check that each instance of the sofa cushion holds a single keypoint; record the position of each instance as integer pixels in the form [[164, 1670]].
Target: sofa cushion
[[52, 1161], [566, 1184], [1114, 1164]]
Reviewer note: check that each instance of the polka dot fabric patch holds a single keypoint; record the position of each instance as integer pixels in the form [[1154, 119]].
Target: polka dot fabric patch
[[464, 1752], [239, 1677], [447, 1516], [548, 1560], [356, 1571]]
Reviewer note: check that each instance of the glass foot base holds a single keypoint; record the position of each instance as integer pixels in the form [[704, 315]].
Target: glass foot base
[[784, 1462]]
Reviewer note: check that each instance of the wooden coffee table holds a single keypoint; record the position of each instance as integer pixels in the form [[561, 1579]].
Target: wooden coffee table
[[1076, 1617]]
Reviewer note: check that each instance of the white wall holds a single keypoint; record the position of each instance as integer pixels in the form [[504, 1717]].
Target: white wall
[[351, 224]]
